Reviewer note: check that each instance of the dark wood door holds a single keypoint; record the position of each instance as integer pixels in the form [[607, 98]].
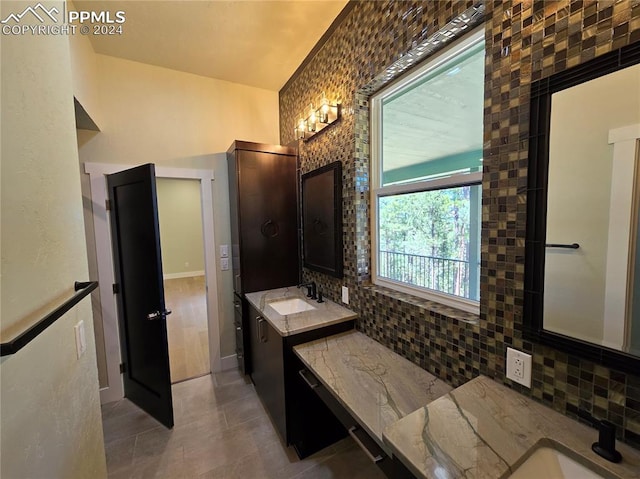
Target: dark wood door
[[142, 314]]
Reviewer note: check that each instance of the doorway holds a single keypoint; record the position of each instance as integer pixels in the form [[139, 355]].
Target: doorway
[[181, 239], [114, 390]]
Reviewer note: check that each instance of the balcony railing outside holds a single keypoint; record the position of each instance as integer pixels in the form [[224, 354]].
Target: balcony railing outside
[[441, 274]]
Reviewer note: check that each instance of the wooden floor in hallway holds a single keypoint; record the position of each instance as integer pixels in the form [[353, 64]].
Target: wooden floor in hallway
[[187, 327], [221, 432]]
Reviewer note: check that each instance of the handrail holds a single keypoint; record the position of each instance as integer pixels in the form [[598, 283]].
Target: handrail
[[567, 246], [82, 288], [438, 258]]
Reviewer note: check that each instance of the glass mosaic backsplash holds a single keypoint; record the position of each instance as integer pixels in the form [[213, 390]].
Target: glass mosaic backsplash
[[525, 41]]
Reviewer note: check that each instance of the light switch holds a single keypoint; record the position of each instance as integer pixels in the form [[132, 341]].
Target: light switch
[[224, 264], [81, 343], [224, 251]]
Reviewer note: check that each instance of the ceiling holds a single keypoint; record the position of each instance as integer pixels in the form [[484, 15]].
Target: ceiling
[[259, 43], [437, 120]]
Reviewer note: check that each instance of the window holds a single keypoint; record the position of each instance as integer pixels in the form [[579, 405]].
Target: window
[[426, 131]]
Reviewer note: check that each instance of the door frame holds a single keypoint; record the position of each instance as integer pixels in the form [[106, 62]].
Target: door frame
[[102, 231]]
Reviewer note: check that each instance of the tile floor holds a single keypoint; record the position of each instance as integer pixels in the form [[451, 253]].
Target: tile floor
[[221, 432]]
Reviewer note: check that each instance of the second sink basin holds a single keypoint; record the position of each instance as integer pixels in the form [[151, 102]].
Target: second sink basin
[[549, 462], [291, 306]]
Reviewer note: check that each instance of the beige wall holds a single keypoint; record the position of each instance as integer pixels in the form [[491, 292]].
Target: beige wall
[[180, 216], [152, 114], [156, 115], [580, 172], [84, 72], [50, 416]]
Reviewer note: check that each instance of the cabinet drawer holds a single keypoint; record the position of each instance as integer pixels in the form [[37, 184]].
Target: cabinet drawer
[[331, 402], [239, 339], [242, 348], [391, 466], [237, 311]]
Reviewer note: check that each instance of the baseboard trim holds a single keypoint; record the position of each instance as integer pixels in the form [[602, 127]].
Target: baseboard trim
[[229, 362], [186, 274], [108, 395]]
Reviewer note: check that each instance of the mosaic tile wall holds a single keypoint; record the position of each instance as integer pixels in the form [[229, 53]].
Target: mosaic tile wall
[[525, 40]]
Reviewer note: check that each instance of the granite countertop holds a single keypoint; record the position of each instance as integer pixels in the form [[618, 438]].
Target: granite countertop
[[483, 429], [324, 314], [374, 384]]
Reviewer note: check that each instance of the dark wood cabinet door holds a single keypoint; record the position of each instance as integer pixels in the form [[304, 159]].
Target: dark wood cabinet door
[[267, 368], [267, 220]]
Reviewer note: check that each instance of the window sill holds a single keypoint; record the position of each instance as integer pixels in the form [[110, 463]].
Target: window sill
[[429, 305]]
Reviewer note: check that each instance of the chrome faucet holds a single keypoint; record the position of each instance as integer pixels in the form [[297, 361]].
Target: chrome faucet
[[311, 289]]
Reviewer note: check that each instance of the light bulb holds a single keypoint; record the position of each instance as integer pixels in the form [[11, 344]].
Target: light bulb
[[311, 122], [300, 129], [324, 110]]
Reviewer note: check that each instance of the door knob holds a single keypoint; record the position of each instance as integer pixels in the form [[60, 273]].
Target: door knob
[[157, 314]]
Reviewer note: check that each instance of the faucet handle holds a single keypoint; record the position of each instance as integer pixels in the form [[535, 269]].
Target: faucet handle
[[606, 445], [309, 294], [320, 300]]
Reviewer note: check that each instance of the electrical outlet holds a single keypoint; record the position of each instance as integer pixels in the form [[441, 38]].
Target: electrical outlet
[[345, 295], [519, 367], [224, 264]]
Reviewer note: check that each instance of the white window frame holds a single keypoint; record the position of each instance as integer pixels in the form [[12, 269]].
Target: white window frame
[[452, 181]]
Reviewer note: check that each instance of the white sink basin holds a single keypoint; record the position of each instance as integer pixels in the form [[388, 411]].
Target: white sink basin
[[291, 306], [549, 463]]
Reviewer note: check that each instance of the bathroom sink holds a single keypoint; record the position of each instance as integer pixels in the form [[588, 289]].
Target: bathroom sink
[[549, 462], [291, 306]]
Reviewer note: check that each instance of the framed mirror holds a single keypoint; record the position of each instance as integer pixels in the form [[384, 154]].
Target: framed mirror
[[582, 260], [322, 219]]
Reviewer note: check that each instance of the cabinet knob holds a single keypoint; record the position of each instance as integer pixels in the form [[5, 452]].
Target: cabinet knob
[[269, 229]]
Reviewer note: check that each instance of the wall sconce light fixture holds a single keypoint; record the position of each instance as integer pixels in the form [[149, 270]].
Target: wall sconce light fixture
[[317, 119]]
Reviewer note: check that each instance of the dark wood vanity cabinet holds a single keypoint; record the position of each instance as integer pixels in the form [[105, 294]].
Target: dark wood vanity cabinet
[[264, 227], [300, 417], [263, 215]]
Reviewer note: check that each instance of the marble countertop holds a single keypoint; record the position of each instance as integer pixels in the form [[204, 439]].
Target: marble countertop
[[324, 314], [374, 384], [484, 430]]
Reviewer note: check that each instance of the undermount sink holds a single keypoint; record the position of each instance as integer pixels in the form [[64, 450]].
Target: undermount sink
[[291, 306], [549, 462]]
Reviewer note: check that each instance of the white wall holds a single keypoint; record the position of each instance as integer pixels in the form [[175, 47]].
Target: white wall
[[50, 422], [180, 217], [156, 115], [580, 173]]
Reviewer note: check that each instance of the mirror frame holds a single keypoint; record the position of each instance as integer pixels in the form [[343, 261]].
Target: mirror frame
[[334, 170], [540, 121]]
